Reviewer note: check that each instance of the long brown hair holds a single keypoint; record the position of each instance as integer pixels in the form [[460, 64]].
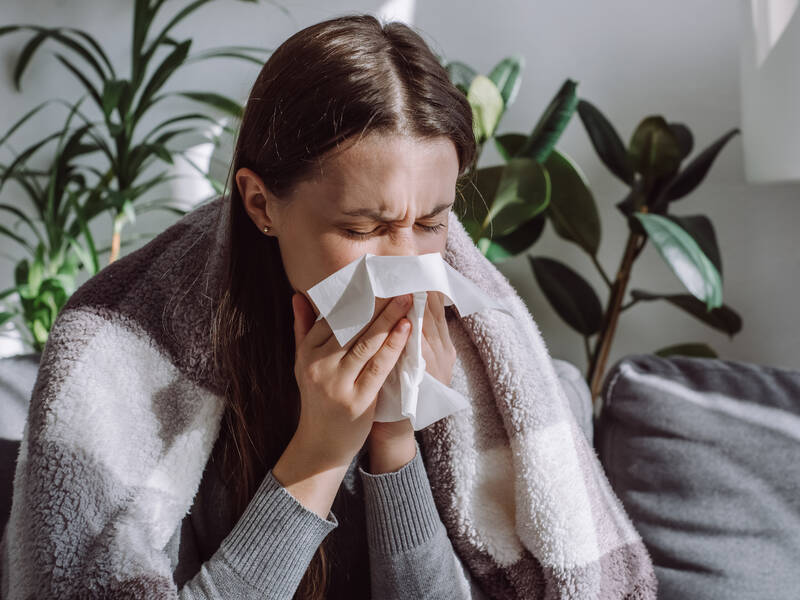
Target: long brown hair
[[336, 79]]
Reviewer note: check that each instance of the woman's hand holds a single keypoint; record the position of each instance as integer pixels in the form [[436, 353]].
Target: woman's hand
[[339, 385], [392, 445]]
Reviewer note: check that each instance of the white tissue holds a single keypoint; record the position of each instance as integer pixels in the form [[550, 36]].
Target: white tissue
[[346, 299]]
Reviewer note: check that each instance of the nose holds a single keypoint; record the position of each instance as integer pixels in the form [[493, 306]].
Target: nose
[[398, 243]]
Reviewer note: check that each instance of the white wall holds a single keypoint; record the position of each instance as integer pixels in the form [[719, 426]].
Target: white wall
[[632, 59]]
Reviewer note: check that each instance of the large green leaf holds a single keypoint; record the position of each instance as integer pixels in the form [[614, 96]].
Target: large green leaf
[[654, 149], [606, 141], [723, 318], [516, 242], [551, 124], [701, 229], [691, 176], [522, 193], [572, 209], [478, 193], [506, 75], [685, 257], [572, 297], [509, 144], [487, 107]]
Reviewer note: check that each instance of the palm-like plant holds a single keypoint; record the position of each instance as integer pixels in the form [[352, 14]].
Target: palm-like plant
[[122, 102], [61, 206]]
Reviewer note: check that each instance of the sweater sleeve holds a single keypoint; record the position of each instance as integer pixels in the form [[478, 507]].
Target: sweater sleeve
[[409, 552], [266, 553]]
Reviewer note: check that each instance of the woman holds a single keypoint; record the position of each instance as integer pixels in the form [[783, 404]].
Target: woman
[[191, 375], [373, 170]]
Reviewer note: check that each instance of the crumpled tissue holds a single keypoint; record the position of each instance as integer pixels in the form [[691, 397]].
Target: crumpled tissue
[[346, 299]]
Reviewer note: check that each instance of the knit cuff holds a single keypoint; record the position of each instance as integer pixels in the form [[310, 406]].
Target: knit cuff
[[399, 507], [273, 542]]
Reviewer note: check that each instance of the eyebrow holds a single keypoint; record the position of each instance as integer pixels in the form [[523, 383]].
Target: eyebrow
[[378, 214]]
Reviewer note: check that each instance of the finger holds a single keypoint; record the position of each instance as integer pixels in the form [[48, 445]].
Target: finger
[[368, 343], [429, 330], [316, 332], [433, 325], [336, 351], [301, 325], [377, 368], [438, 310]]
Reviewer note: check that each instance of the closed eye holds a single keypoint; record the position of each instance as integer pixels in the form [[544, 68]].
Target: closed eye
[[363, 235]]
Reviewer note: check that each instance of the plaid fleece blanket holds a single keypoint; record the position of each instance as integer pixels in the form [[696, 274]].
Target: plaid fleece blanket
[[126, 408]]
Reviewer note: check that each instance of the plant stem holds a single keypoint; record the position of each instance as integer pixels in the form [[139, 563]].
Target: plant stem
[[587, 348], [602, 271], [603, 347]]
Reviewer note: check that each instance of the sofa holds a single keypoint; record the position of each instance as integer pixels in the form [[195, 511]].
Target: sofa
[[703, 453]]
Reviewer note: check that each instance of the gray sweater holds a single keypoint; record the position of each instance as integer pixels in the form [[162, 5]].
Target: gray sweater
[[388, 540]]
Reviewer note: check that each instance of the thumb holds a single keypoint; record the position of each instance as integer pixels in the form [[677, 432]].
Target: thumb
[[303, 318]]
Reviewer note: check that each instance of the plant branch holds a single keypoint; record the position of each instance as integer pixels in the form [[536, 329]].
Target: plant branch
[[602, 271], [611, 316]]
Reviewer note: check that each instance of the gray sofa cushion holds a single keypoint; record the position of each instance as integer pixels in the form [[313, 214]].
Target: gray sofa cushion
[[705, 456], [578, 395]]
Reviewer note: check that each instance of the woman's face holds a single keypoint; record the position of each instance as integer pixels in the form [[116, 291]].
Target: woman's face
[[396, 191]]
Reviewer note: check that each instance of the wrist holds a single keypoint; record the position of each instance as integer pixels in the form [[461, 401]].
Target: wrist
[[388, 457]]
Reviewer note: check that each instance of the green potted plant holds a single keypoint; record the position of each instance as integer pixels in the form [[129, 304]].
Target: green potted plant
[[64, 199], [76, 192], [508, 205], [122, 102], [62, 205]]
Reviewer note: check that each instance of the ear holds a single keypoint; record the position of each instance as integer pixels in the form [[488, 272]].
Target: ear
[[254, 196]]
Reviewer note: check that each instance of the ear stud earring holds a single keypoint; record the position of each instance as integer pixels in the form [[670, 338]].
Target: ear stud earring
[[266, 228]]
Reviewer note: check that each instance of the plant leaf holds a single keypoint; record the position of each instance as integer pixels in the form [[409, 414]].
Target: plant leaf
[[551, 124], [522, 193], [697, 350], [688, 179], [701, 229], [516, 242], [223, 103], [572, 209], [606, 142], [654, 150], [82, 78], [162, 73], [569, 294], [509, 144], [684, 257], [506, 76], [26, 55], [487, 107], [723, 319]]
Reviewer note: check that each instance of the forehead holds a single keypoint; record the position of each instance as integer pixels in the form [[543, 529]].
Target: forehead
[[389, 172]]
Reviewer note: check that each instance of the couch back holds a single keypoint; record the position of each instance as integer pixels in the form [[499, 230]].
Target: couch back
[[705, 456]]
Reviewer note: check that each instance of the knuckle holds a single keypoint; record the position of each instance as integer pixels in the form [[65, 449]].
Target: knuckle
[[360, 349], [374, 368], [394, 341]]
